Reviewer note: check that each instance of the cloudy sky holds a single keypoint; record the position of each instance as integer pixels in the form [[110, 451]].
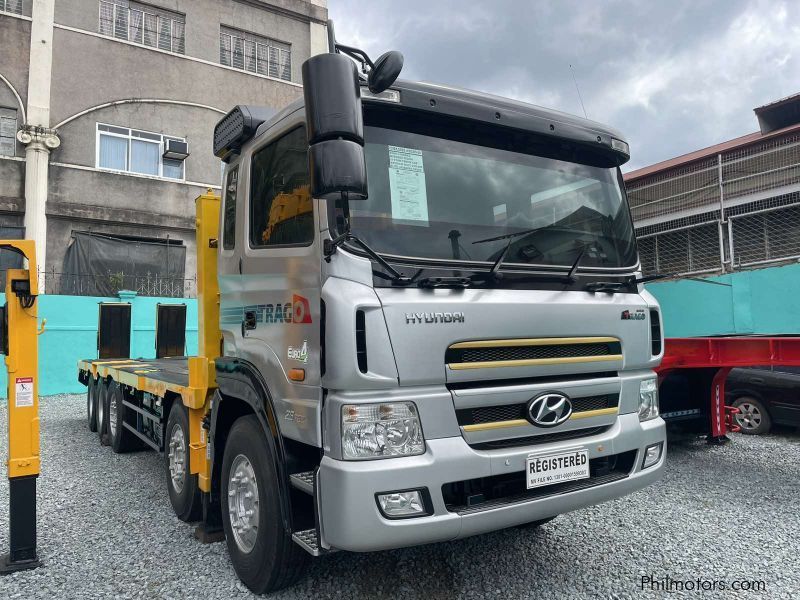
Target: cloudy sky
[[673, 75]]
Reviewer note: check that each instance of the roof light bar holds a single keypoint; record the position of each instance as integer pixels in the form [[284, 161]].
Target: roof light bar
[[237, 127]]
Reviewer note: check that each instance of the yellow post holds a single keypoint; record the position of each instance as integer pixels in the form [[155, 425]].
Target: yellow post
[[202, 375], [20, 345]]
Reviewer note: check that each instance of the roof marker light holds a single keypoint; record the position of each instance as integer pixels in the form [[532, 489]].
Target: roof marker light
[[386, 95], [620, 146]]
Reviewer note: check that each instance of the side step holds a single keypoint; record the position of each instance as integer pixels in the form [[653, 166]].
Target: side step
[[308, 539], [309, 542], [303, 482]]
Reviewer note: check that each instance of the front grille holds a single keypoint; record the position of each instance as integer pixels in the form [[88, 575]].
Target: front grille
[[545, 438], [510, 412], [519, 352], [476, 495]]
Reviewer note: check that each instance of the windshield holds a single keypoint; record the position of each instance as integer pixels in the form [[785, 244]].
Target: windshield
[[437, 198]]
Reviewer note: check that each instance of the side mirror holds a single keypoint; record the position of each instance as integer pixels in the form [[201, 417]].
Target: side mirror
[[385, 71], [335, 127], [336, 167]]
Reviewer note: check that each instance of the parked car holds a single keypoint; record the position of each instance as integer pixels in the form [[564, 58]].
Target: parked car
[[764, 396]]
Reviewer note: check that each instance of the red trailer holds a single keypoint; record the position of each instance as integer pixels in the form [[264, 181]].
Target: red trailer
[[693, 372]]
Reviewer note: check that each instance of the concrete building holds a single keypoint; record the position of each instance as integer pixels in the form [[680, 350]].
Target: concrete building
[[107, 109], [730, 207]]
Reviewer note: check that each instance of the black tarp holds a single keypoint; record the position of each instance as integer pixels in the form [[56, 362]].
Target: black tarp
[[102, 265]]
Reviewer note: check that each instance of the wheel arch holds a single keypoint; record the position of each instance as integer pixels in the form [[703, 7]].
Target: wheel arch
[[243, 391]]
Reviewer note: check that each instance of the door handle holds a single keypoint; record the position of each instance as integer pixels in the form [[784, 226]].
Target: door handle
[[249, 321]]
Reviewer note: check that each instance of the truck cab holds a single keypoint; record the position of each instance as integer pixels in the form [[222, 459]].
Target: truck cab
[[446, 338]]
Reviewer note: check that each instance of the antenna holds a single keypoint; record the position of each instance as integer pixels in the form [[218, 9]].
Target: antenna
[[577, 89]]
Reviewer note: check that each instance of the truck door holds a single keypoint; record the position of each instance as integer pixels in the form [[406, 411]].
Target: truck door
[[230, 256], [281, 280]]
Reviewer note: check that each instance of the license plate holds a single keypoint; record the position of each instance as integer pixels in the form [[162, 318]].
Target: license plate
[[549, 469]]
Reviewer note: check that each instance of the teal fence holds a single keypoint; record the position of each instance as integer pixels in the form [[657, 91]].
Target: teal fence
[[760, 302], [71, 334]]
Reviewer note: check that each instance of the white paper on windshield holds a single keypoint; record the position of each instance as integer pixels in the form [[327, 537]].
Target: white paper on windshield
[[407, 185]]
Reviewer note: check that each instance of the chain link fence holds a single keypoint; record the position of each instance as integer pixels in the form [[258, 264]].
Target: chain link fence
[[733, 210]]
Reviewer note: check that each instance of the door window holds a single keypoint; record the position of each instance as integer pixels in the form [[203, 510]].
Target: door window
[[280, 202]]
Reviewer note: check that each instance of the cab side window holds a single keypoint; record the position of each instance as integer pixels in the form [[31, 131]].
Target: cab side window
[[229, 221], [280, 202]]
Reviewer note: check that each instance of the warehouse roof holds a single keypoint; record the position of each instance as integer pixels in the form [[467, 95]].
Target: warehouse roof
[[775, 119]]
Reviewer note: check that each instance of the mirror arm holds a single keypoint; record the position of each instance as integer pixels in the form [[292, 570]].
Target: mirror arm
[[356, 54]]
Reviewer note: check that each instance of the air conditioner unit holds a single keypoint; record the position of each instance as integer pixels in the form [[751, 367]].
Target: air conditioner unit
[[175, 149]]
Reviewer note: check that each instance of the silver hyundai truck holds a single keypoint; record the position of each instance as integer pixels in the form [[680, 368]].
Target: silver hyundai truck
[[434, 296]]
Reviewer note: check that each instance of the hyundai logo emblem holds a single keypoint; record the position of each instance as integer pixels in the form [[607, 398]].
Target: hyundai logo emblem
[[549, 409]]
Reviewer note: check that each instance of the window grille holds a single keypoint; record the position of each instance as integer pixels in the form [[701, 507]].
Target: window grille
[[144, 25], [255, 54]]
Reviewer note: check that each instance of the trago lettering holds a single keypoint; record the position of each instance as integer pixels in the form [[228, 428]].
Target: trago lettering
[[296, 311]]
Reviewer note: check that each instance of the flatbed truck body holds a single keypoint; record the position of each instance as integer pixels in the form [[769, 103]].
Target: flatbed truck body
[[461, 346]]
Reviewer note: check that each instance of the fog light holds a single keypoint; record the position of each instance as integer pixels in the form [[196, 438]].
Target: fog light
[[402, 504], [652, 454]]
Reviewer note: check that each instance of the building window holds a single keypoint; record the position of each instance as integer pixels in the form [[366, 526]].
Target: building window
[[143, 24], [280, 201], [134, 151], [8, 131], [254, 53], [11, 6]]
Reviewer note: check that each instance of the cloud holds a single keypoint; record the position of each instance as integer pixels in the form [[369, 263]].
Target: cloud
[[673, 76]]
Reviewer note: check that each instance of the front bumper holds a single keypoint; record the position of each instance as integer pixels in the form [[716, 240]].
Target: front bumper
[[350, 518]]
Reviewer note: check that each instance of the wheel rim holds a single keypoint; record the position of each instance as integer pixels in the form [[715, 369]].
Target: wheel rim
[[243, 503], [749, 416], [112, 415], [177, 457]]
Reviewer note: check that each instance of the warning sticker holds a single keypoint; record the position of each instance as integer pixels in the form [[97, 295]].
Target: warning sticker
[[407, 184], [24, 392]]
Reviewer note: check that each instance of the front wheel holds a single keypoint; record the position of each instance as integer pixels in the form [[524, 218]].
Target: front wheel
[[263, 554], [753, 417]]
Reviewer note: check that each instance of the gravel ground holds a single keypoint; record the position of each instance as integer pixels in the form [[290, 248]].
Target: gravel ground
[[106, 529]]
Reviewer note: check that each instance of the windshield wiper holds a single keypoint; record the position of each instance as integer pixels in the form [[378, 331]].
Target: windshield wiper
[[618, 286], [507, 236], [329, 247]]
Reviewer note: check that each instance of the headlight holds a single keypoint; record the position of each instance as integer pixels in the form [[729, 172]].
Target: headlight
[[648, 399], [381, 430]]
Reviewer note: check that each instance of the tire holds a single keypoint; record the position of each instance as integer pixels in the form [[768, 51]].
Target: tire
[[536, 524], [753, 417], [266, 559], [120, 439], [184, 493], [102, 411], [91, 404]]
